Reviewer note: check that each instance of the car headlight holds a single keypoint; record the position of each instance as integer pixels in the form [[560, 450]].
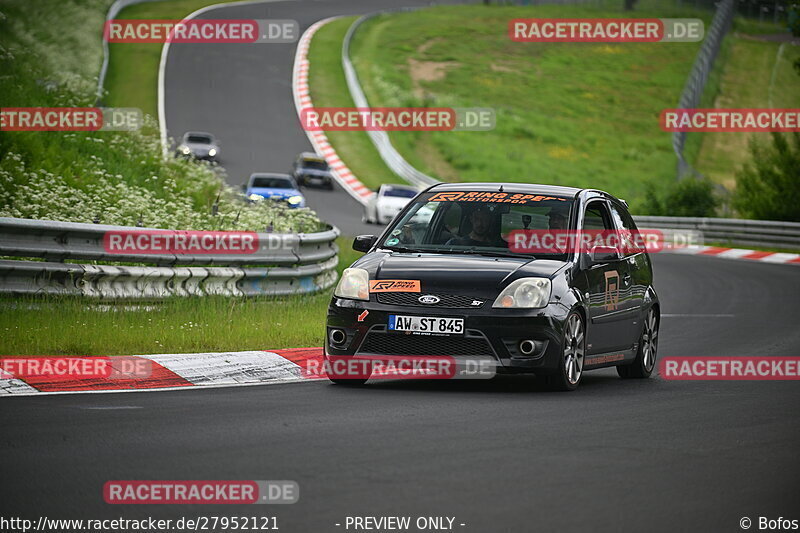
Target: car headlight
[[255, 197], [294, 200], [525, 293], [185, 150], [353, 285], [212, 152]]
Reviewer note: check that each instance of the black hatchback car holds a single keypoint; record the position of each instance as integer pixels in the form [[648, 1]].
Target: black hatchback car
[[454, 275]]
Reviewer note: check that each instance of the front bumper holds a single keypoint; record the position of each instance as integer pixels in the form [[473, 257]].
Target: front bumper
[[315, 180], [488, 332]]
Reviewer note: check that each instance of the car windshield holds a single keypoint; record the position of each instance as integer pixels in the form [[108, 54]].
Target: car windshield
[[399, 193], [199, 139], [271, 182], [315, 164], [478, 222]]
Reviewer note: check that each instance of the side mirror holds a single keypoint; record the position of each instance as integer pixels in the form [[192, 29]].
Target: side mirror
[[363, 243], [603, 254], [244, 187]]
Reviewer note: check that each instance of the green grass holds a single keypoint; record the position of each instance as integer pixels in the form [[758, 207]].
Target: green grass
[[757, 74], [329, 89], [574, 114], [74, 326], [132, 77]]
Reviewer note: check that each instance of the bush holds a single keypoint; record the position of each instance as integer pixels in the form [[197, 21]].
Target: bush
[[769, 187], [685, 198]]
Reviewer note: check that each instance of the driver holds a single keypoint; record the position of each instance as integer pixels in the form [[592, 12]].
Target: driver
[[481, 234]]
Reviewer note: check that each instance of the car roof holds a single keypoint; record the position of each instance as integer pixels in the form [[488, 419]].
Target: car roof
[[529, 188], [400, 186], [270, 175], [310, 155], [198, 133]]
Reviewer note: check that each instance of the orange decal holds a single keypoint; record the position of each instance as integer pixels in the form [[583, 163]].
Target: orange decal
[[445, 196], [394, 285], [494, 197], [612, 290]]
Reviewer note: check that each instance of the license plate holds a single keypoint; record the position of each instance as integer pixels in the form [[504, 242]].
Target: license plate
[[426, 325]]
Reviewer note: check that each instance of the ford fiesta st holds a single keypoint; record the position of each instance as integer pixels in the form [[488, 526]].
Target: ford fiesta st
[[452, 276]]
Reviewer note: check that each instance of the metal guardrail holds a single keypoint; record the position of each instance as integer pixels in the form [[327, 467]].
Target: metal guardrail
[[282, 264], [737, 232], [695, 84], [380, 139]]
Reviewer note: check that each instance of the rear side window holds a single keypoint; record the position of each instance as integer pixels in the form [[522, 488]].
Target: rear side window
[[596, 217], [626, 226]]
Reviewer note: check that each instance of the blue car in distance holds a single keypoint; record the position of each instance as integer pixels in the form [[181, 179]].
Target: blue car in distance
[[271, 186]]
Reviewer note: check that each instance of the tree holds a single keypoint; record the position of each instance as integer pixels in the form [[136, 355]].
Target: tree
[[689, 197], [768, 187]]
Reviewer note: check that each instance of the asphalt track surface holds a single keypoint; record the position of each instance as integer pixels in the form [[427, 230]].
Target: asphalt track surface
[[503, 455]]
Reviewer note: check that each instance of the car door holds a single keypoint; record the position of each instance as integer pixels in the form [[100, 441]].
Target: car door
[[607, 284], [638, 265]]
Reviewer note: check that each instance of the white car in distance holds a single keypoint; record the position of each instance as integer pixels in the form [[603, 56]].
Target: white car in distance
[[387, 202]]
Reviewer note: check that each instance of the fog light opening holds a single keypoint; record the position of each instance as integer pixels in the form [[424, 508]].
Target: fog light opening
[[337, 336], [527, 347]]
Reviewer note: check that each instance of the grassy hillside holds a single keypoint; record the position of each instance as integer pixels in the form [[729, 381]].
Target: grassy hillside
[[757, 74], [576, 114]]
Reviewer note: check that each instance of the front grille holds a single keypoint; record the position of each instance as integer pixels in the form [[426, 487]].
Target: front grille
[[382, 343], [452, 301]]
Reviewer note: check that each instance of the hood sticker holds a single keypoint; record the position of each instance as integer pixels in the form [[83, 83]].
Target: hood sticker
[[394, 285]]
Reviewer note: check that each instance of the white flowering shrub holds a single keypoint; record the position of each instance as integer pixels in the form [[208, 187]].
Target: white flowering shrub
[[49, 57]]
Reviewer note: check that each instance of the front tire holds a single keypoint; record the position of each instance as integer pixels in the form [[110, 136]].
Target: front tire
[[645, 360], [572, 354]]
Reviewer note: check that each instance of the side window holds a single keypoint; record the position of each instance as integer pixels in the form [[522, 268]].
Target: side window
[[596, 217], [627, 229]]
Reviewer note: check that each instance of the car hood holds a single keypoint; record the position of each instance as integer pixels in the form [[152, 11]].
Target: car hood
[[478, 276], [272, 193]]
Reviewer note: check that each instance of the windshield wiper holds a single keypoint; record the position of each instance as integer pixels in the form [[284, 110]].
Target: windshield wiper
[[492, 253], [402, 249]]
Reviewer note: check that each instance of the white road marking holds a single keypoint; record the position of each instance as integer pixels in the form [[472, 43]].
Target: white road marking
[[110, 408], [697, 315]]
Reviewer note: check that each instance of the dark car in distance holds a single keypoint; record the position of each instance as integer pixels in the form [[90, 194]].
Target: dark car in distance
[[311, 170], [465, 289]]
